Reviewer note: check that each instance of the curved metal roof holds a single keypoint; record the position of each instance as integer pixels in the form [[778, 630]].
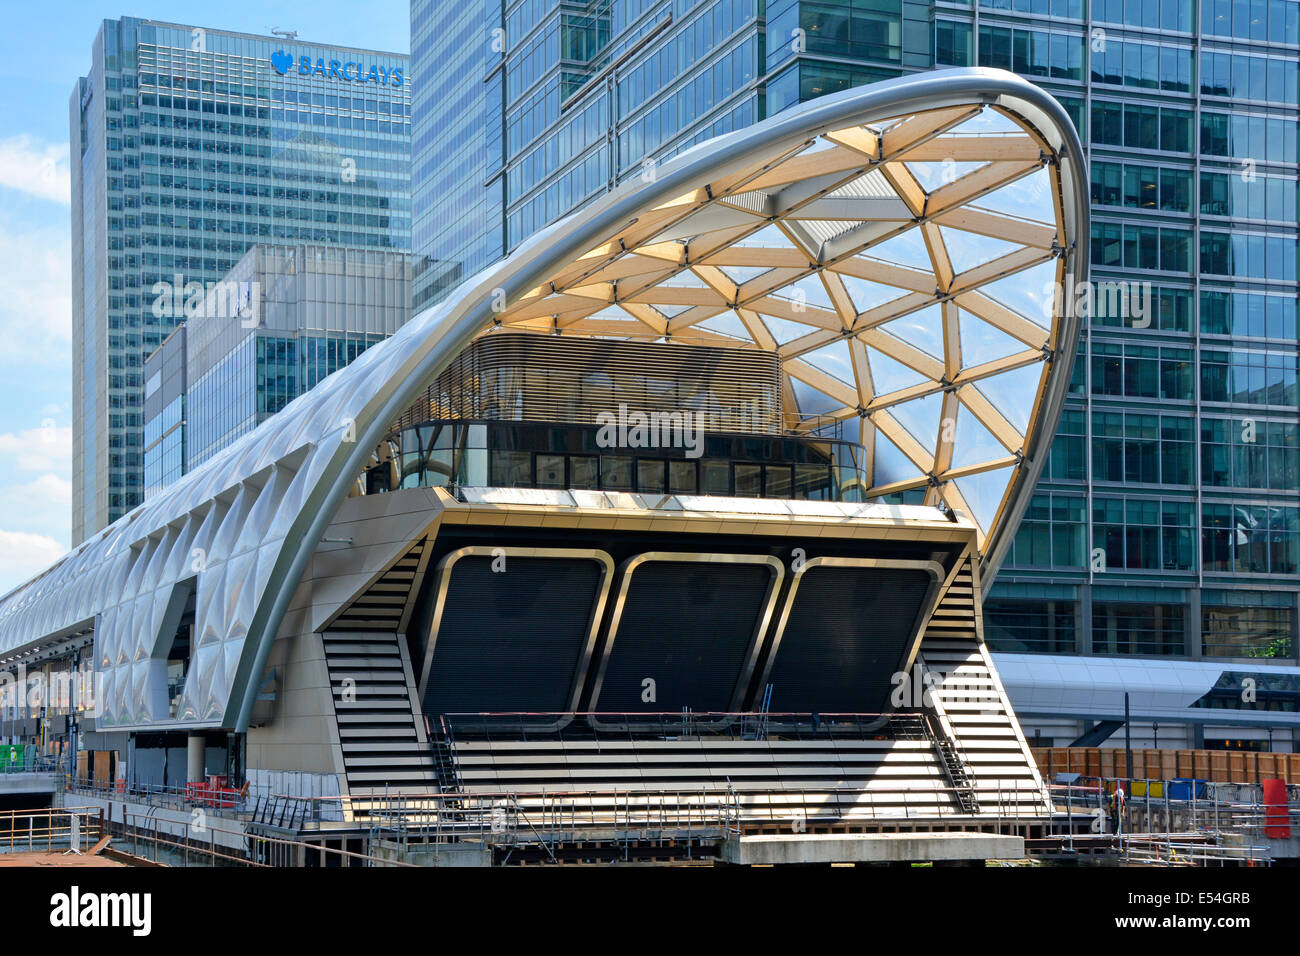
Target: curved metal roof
[[898, 245]]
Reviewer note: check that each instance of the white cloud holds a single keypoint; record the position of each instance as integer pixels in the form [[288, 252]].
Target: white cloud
[[47, 448], [35, 513], [23, 555], [37, 168], [41, 506], [37, 518], [35, 294]]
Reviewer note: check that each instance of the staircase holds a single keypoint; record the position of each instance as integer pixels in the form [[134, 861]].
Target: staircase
[[443, 747], [954, 768], [384, 745]]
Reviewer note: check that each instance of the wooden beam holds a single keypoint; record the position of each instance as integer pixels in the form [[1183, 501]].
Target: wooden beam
[[905, 184], [806, 165], [1012, 262], [825, 383], [887, 273], [900, 351], [991, 224], [997, 366], [757, 330], [976, 184], [892, 429], [861, 372], [865, 141], [951, 340], [938, 251], [963, 148], [920, 127]]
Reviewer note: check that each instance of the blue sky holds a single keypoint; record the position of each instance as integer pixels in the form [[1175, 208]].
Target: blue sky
[[43, 50]]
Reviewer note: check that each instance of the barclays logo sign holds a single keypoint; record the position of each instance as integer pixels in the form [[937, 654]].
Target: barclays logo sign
[[352, 72]]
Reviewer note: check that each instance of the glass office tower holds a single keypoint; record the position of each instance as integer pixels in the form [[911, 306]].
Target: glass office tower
[[1167, 524], [189, 145]]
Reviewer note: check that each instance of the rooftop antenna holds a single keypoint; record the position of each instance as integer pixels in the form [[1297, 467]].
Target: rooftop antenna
[[287, 34]]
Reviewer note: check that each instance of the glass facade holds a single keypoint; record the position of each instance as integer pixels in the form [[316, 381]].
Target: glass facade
[[191, 145], [1174, 479], [456, 150], [310, 311], [1168, 509], [453, 454]]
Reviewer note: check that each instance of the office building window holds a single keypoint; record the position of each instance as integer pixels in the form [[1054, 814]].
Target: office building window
[[1230, 631], [1029, 627], [1145, 533], [1147, 629], [1250, 453], [1052, 534], [1250, 539]]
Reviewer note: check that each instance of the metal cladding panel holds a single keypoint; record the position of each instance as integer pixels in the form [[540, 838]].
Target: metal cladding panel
[[687, 626], [510, 640], [848, 631]]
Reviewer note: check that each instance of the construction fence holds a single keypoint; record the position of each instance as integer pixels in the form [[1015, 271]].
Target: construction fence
[[1216, 766]]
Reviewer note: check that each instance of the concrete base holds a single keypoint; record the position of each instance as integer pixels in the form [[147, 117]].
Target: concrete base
[[23, 784], [805, 848], [440, 854]]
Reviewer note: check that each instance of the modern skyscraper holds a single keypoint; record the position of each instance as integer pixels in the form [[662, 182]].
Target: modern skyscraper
[[189, 145], [1167, 526]]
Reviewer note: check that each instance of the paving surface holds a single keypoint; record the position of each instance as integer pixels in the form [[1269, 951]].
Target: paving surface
[[54, 858]]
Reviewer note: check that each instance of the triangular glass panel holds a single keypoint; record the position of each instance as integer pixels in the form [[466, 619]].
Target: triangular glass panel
[[812, 402], [966, 250], [889, 375], [934, 176], [984, 493], [905, 249], [742, 274], [783, 330], [922, 329], [981, 342], [1029, 197], [808, 291], [727, 324], [1030, 292], [891, 464], [833, 359], [1012, 393], [921, 417], [769, 237], [686, 279], [866, 295], [988, 122], [973, 444], [671, 311]]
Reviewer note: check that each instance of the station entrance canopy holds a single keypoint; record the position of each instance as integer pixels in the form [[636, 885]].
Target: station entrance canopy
[[901, 247]]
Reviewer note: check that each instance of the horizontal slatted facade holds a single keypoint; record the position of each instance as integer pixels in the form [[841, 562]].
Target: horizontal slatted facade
[[383, 743], [382, 605], [541, 378]]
